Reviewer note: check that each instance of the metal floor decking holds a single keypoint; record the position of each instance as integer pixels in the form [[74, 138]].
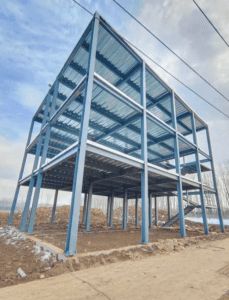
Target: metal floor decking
[[109, 170]]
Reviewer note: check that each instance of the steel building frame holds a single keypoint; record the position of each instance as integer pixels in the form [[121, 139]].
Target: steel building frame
[[109, 126]]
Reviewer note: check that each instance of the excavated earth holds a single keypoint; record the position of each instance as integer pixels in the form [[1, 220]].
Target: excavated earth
[[18, 251]]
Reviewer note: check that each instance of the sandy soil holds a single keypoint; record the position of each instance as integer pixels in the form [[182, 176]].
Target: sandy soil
[[193, 273]]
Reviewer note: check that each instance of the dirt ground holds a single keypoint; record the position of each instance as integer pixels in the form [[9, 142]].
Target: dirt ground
[[21, 253], [191, 274], [100, 237]]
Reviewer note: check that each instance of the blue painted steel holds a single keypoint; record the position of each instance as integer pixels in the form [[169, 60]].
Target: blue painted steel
[[124, 213], [88, 217], [39, 177], [35, 203], [122, 42], [54, 98], [169, 210], [127, 211], [204, 215], [54, 207], [144, 173], [136, 211], [20, 175], [156, 211], [27, 204], [150, 211], [35, 164], [46, 111], [111, 210], [85, 207], [80, 157], [178, 169], [214, 181], [108, 208]]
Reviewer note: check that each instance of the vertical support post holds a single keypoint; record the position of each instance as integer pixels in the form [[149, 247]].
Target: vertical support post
[[88, 217], [85, 207], [156, 211], [150, 210], [108, 208], [39, 182], [70, 248], [187, 196], [198, 167], [111, 210], [214, 181], [54, 207], [36, 160], [124, 214], [20, 175], [35, 203], [54, 98], [169, 211], [47, 104], [127, 211], [27, 204], [144, 173], [136, 211], [178, 169]]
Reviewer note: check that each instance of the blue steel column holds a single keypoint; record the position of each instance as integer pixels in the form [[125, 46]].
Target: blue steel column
[[36, 160], [214, 181], [81, 153], [156, 211], [144, 173], [198, 167], [127, 211], [31, 185], [20, 175], [124, 214], [178, 169], [54, 207], [150, 211], [88, 217], [85, 207], [108, 208], [136, 211], [43, 158], [169, 210], [111, 210]]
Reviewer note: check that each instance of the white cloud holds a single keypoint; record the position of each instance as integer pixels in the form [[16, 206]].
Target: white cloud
[[28, 96]]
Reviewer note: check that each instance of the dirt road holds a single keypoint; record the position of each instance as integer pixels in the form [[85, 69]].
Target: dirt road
[[190, 274]]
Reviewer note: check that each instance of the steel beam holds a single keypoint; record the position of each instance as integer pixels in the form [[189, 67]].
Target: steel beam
[[169, 210], [178, 169], [27, 205], [54, 207], [88, 217], [85, 207], [156, 211], [214, 181], [111, 210], [150, 210], [124, 212], [144, 156], [81, 152], [35, 203], [108, 208], [136, 210], [199, 176], [20, 175]]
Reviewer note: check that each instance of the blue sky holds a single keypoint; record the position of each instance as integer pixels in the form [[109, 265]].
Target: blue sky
[[37, 37]]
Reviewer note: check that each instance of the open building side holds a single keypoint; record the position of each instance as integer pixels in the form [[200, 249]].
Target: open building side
[[111, 126]]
